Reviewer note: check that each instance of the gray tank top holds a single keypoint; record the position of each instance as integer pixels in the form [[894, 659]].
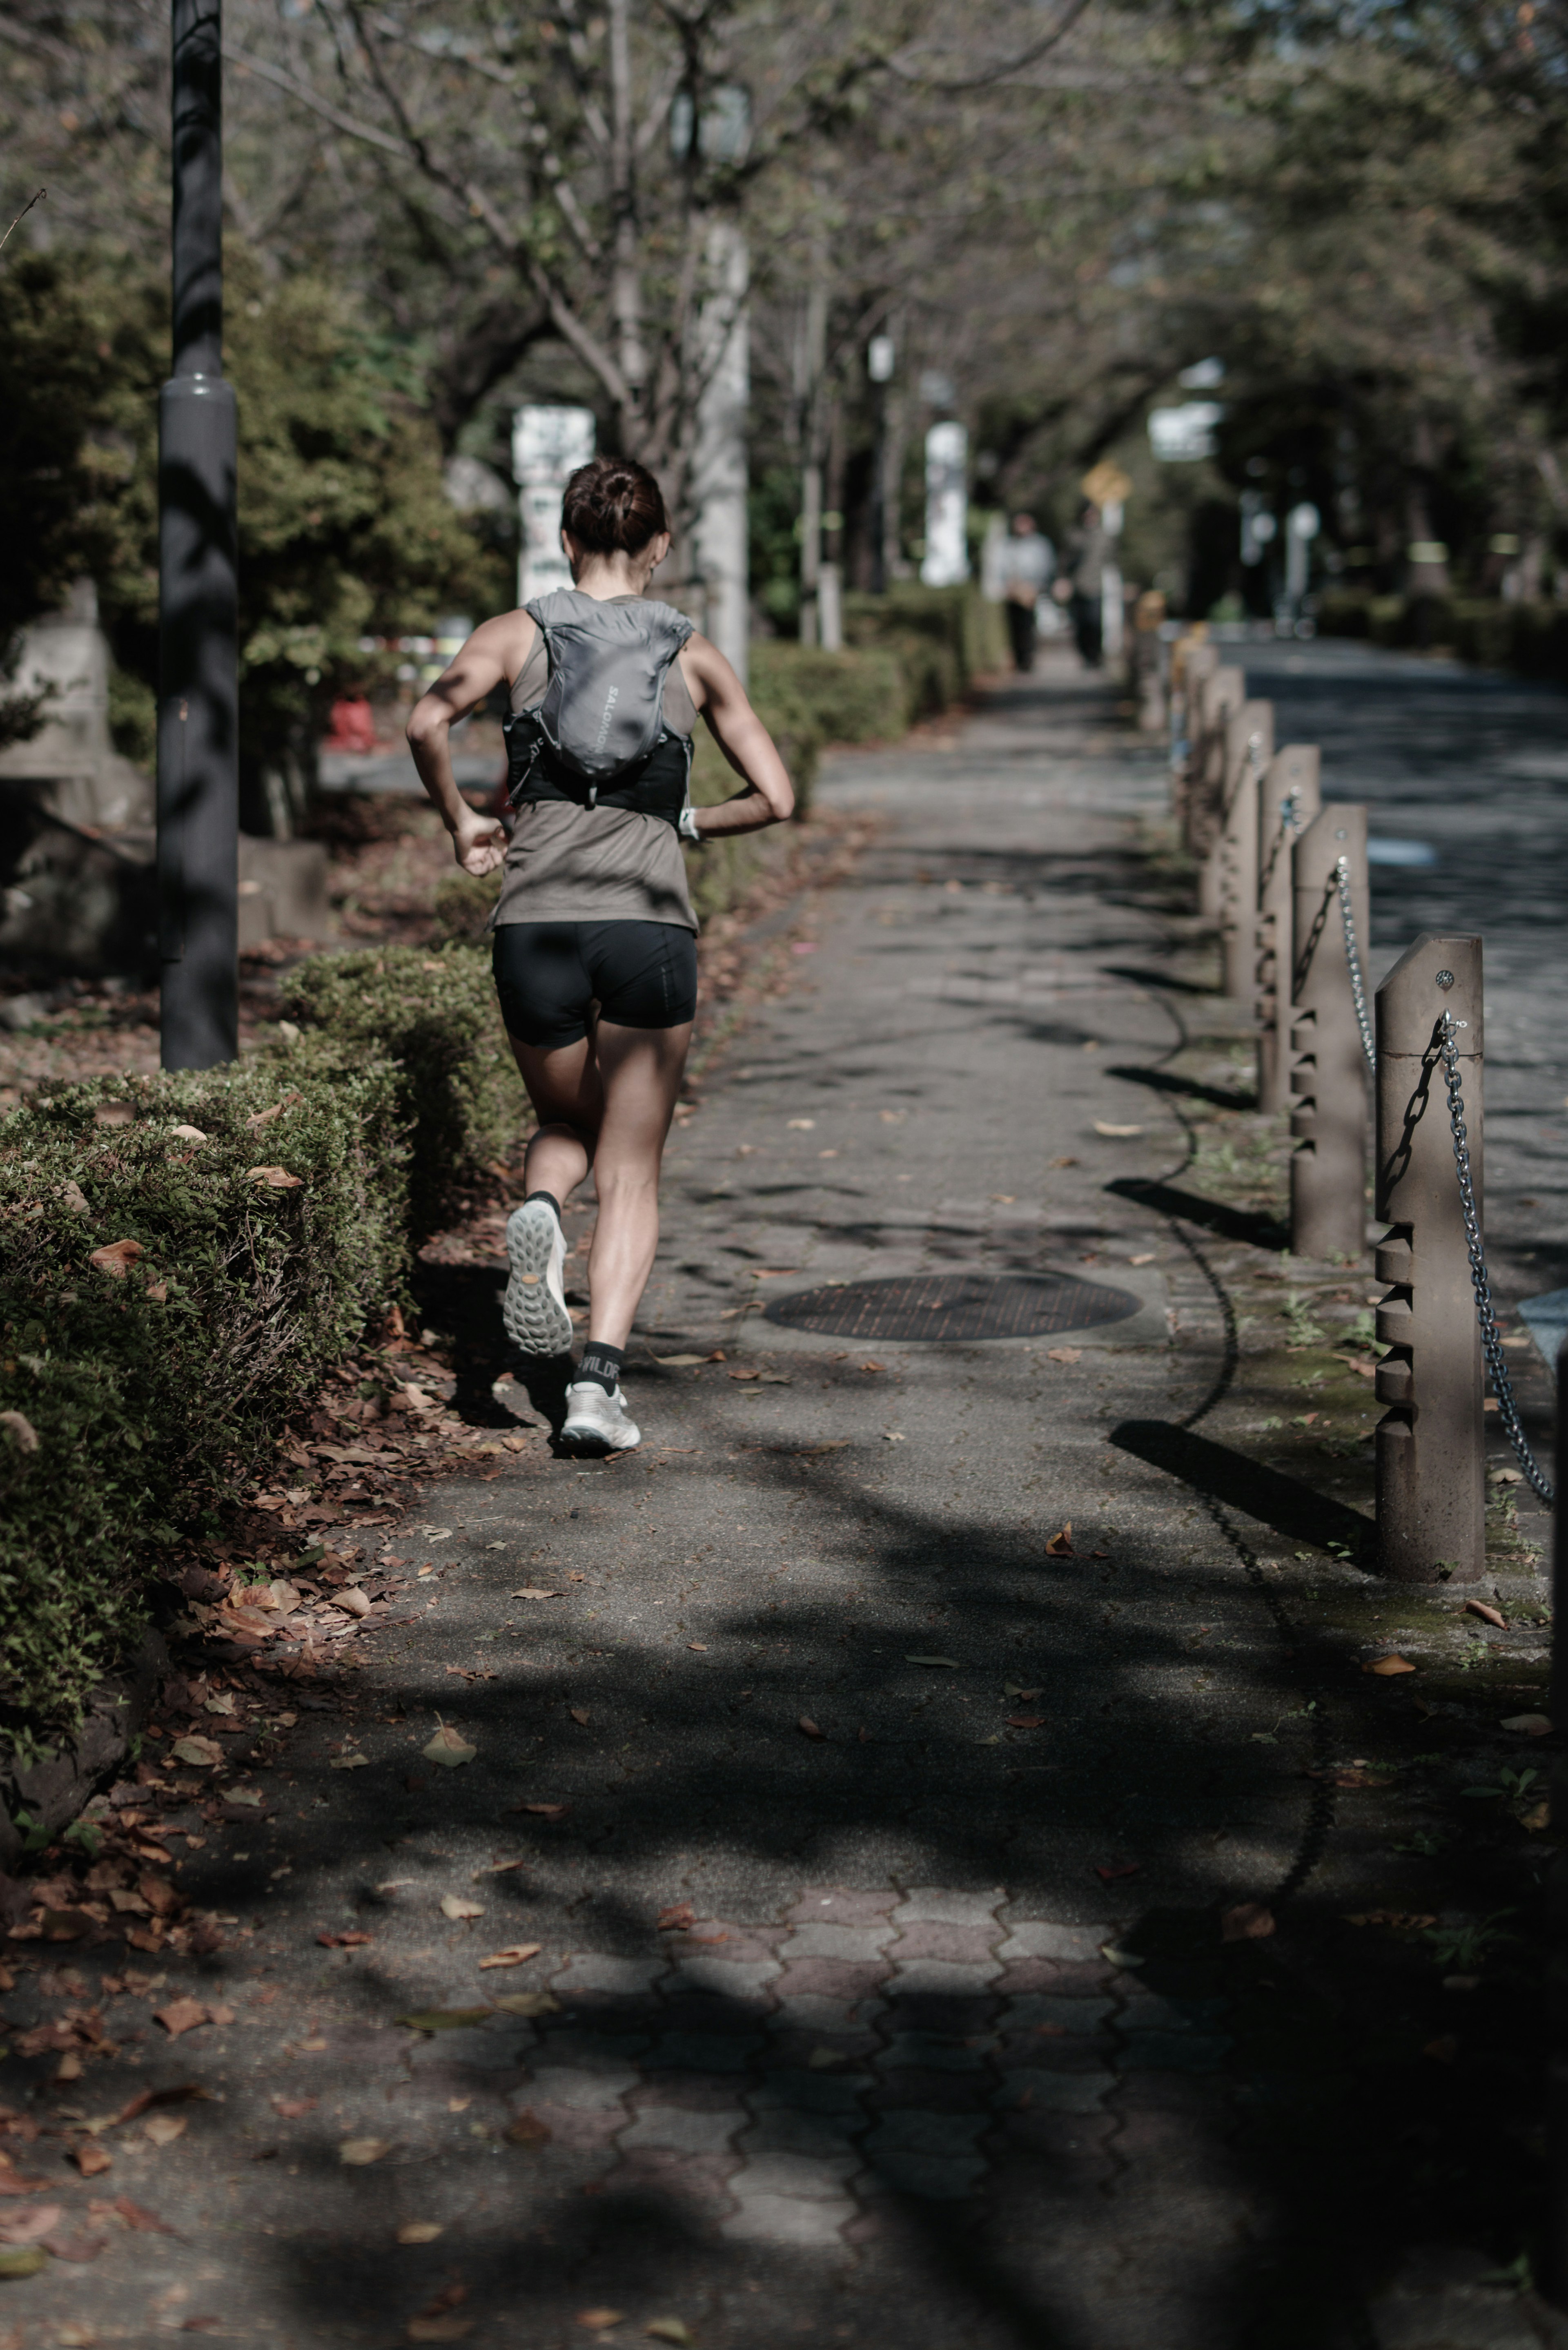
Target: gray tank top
[[572, 863]]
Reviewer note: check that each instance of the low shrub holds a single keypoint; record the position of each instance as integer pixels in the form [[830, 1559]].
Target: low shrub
[[433, 1017], [1531, 640], [163, 1306], [847, 697], [463, 904]]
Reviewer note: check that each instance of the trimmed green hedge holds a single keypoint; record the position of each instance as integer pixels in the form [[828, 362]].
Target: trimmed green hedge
[[133, 1402], [431, 1015], [1530, 639], [134, 1398]]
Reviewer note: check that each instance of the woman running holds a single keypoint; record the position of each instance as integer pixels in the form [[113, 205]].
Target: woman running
[[595, 957]]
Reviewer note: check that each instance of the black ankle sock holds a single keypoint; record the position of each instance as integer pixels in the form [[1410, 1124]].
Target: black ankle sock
[[602, 1365], [550, 1196]]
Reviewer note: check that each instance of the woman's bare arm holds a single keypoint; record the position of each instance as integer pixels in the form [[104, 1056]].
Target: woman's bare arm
[[493, 654], [718, 694]]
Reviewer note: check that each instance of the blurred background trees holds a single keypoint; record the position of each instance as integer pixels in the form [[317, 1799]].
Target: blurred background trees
[[437, 209]]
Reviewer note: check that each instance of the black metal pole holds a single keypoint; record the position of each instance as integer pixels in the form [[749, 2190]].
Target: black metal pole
[[198, 766], [1552, 2266]]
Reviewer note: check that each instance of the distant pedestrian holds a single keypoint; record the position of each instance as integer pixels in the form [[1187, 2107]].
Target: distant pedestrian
[[1027, 562], [595, 954], [1082, 584]]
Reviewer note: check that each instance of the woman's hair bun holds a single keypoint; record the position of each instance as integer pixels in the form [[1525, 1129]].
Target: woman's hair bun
[[613, 506]]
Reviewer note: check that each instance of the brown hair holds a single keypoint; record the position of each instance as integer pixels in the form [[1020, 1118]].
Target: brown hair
[[613, 506]]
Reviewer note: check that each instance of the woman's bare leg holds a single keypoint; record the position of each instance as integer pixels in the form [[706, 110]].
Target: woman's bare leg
[[568, 1102], [605, 1102], [639, 1071]]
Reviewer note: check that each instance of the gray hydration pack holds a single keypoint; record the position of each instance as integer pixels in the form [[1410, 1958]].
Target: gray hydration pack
[[598, 736]]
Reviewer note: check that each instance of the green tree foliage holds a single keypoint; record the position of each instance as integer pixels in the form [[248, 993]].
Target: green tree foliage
[[344, 529]]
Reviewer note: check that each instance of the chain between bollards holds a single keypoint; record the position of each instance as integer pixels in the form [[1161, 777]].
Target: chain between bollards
[[1290, 822], [1353, 957], [1491, 1345]]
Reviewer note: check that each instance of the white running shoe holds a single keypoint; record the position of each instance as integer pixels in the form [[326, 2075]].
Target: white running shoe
[[597, 1420], [535, 1308]]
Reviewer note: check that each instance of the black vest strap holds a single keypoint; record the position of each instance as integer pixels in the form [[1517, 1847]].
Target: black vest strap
[[657, 786]]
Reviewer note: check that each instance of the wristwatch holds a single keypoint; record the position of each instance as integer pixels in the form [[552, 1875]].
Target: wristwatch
[[688, 828]]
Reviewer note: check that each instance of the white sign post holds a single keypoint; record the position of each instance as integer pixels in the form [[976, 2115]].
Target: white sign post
[[719, 467], [548, 444], [946, 560]]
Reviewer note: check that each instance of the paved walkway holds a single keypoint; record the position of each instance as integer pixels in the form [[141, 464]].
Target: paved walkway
[[870, 1758]]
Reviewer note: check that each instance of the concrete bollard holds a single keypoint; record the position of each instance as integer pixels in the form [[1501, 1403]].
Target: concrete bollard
[[1328, 1065], [1191, 659], [1248, 747], [1431, 1488], [1221, 696], [1288, 799]]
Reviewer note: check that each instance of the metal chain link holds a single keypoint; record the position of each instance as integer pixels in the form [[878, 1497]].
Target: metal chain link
[[1491, 1345], [1289, 821], [1353, 957]]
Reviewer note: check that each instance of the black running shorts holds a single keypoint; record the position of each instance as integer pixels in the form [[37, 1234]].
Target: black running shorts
[[549, 975]]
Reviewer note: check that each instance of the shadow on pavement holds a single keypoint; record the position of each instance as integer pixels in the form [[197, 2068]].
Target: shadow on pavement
[[1162, 1081], [1292, 1510], [1250, 1226]]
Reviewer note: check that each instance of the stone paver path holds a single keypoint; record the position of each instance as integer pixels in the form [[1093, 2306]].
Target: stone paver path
[[869, 1758]]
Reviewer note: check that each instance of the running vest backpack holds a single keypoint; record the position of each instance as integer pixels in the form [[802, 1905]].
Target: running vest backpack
[[598, 736]]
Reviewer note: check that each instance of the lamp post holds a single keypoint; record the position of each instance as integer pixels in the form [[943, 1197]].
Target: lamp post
[[197, 762]]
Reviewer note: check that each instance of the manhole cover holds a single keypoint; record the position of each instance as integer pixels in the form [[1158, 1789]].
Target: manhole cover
[[948, 1305]]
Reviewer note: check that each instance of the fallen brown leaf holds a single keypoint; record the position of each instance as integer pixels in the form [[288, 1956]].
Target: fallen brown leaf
[[342, 1941], [1065, 1354], [276, 1179], [292, 2109], [137, 2216], [181, 2015], [420, 2232], [527, 2130], [1060, 1545], [1385, 1667], [162, 2129], [544, 1811], [447, 1748], [580, 1713], [1249, 1921], [456, 1906], [513, 1955], [34, 2219], [1025, 1721], [1488, 1614], [359, 2152], [265, 1116], [873, 1366], [600, 2321], [1528, 1725], [670, 2329], [91, 2159], [117, 1258], [676, 1917], [1109, 1870], [809, 1727]]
